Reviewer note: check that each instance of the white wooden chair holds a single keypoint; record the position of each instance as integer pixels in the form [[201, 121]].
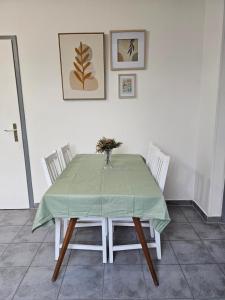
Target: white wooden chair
[[152, 157], [160, 169], [53, 169], [158, 164], [66, 155]]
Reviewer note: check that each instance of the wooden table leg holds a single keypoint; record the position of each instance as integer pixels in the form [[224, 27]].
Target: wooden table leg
[[69, 232], [141, 236]]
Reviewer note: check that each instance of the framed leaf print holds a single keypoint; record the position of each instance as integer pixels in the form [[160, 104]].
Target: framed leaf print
[[127, 49], [82, 62]]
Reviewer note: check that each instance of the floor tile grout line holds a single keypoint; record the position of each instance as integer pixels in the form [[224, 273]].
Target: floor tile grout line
[[199, 237], [202, 242], [5, 249], [8, 212], [184, 215], [174, 252], [26, 271], [223, 271], [203, 221], [29, 265], [76, 266], [95, 265], [22, 226], [40, 244], [195, 210], [36, 255], [145, 283], [198, 213], [9, 242], [211, 298], [20, 281], [66, 265], [103, 280], [58, 294], [13, 225], [182, 271], [202, 239]]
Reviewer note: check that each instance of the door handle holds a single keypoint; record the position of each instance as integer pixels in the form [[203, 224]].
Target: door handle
[[14, 130], [9, 130]]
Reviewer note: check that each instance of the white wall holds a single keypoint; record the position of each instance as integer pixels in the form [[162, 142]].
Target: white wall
[[218, 163], [165, 110], [207, 130]]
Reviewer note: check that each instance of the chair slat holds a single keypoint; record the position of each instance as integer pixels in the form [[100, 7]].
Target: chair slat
[[162, 165], [52, 167], [66, 154]]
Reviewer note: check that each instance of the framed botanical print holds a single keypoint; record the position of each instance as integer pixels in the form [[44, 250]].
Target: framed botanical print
[[82, 61], [127, 86], [127, 49]]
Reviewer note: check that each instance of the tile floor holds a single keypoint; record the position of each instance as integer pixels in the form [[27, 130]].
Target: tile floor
[[192, 265]]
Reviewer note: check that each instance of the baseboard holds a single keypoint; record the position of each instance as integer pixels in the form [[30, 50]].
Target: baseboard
[[179, 202], [195, 205]]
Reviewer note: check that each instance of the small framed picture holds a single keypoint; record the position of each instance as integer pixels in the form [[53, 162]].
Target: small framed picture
[[127, 49], [127, 86]]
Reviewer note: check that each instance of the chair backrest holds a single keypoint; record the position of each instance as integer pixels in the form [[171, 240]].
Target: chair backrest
[[161, 168], [52, 167], [66, 154], [151, 159]]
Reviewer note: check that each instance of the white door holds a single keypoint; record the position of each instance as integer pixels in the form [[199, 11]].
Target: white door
[[13, 185]]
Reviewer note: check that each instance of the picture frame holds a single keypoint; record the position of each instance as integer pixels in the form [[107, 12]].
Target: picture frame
[[127, 86], [82, 62], [127, 49]]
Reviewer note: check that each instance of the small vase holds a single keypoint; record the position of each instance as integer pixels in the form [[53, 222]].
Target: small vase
[[108, 156]]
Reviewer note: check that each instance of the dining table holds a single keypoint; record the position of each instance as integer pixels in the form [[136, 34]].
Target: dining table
[[89, 188]]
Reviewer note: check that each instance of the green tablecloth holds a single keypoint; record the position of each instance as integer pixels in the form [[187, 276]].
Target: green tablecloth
[[86, 188]]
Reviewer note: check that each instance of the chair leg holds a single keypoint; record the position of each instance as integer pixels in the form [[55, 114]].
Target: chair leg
[[104, 235], [158, 244], [110, 228], [151, 229], [65, 225], [106, 227], [57, 237], [66, 241]]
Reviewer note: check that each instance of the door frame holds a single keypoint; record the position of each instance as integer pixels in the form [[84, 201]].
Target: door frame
[[223, 207], [15, 53]]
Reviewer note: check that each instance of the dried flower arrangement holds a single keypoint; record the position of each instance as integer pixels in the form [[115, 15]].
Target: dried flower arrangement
[[106, 144]]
